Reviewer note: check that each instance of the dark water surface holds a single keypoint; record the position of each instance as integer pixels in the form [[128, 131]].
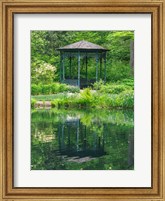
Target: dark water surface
[[82, 140]]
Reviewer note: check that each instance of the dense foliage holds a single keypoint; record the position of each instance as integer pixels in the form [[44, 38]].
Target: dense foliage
[[82, 130], [119, 95], [45, 58], [87, 99], [52, 88]]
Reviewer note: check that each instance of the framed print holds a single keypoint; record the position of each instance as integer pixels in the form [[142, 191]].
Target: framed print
[[82, 95]]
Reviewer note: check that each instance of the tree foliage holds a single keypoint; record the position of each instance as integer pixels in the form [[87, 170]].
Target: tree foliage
[[44, 45], [42, 72]]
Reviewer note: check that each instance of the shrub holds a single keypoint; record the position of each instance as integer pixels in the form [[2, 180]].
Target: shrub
[[63, 87], [88, 100], [120, 97], [75, 101], [86, 94], [97, 85], [46, 89], [73, 89], [127, 98], [118, 70], [33, 102], [113, 89], [127, 82], [42, 72], [36, 89], [55, 88], [52, 89]]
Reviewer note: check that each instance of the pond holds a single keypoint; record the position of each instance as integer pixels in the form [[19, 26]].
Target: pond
[[82, 139]]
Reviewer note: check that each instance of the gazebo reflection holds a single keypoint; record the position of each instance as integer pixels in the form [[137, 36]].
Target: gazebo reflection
[[74, 141], [78, 137]]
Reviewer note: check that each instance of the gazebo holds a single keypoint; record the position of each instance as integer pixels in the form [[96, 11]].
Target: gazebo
[[74, 140], [71, 71]]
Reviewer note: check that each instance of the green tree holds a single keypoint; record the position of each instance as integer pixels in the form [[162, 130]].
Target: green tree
[[45, 44]]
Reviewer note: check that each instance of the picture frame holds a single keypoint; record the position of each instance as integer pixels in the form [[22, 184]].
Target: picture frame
[[8, 10]]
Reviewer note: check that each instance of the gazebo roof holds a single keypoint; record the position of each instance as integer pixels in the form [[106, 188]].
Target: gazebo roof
[[83, 45]]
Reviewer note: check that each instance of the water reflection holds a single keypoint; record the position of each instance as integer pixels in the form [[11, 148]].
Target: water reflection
[[74, 140]]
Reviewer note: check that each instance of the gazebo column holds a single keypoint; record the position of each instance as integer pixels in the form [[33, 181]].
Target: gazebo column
[[70, 66], [59, 136], [96, 66], [77, 135], [63, 67], [78, 69], [63, 131], [101, 66], [105, 66], [86, 61]]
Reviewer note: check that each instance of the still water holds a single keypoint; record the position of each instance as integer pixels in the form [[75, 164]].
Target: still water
[[82, 140]]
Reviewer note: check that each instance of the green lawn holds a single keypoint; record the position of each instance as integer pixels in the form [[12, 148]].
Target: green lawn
[[48, 97]]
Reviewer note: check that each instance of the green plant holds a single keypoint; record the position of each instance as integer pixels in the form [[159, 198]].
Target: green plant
[[33, 102], [73, 89], [36, 89], [53, 88], [127, 98], [63, 87], [88, 100], [118, 70], [97, 85], [46, 89], [86, 96], [42, 72], [113, 88], [127, 82]]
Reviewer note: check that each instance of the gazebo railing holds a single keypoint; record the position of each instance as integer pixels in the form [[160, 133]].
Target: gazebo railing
[[73, 82], [83, 82]]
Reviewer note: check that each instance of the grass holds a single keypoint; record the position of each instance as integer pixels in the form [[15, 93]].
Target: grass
[[48, 97]]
